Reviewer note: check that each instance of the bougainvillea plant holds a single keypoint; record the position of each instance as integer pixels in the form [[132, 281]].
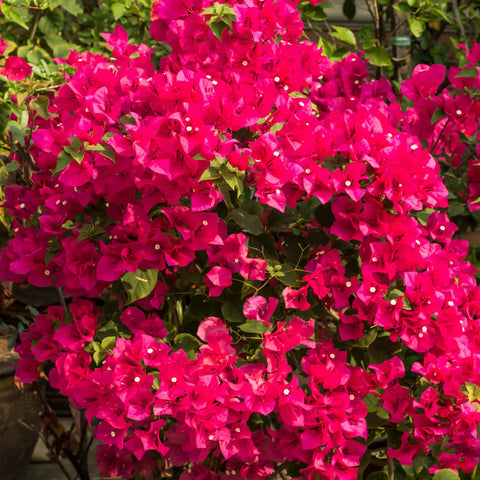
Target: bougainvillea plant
[[264, 279]]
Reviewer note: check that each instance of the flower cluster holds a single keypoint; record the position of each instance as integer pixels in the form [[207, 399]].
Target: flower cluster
[[262, 270], [448, 120]]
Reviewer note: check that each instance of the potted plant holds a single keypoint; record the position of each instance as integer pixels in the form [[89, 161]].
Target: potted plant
[[263, 273], [21, 406]]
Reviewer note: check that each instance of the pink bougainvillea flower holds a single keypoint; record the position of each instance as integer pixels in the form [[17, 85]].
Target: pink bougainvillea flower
[[260, 309], [3, 44], [217, 279], [15, 68]]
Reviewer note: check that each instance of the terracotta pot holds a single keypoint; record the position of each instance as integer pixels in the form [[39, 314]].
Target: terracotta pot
[[20, 417]]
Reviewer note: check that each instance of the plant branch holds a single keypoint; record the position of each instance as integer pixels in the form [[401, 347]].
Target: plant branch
[[458, 20]]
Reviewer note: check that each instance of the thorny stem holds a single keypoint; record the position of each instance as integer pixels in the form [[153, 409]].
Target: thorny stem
[[458, 20], [61, 299], [373, 9], [391, 469], [439, 136], [35, 25]]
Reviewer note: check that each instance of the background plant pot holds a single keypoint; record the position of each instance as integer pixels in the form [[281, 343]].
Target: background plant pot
[[20, 417]]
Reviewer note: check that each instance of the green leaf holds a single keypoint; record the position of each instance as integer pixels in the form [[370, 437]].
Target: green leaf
[[472, 391], [98, 357], [188, 343], [12, 166], [76, 154], [139, 284], [253, 327], [402, 7], [233, 182], [63, 161], [417, 27], [211, 173], [283, 221], [217, 27], [108, 343], [11, 15], [232, 312], [74, 7], [366, 33], [455, 209], [251, 223], [326, 46], [52, 23], [55, 3], [345, 35], [446, 474], [367, 339], [440, 13], [118, 10], [378, 56], [349, 9], [4, 116], [317, 14], [468, 72], [438, 114], [62, 50], [105, 151]]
